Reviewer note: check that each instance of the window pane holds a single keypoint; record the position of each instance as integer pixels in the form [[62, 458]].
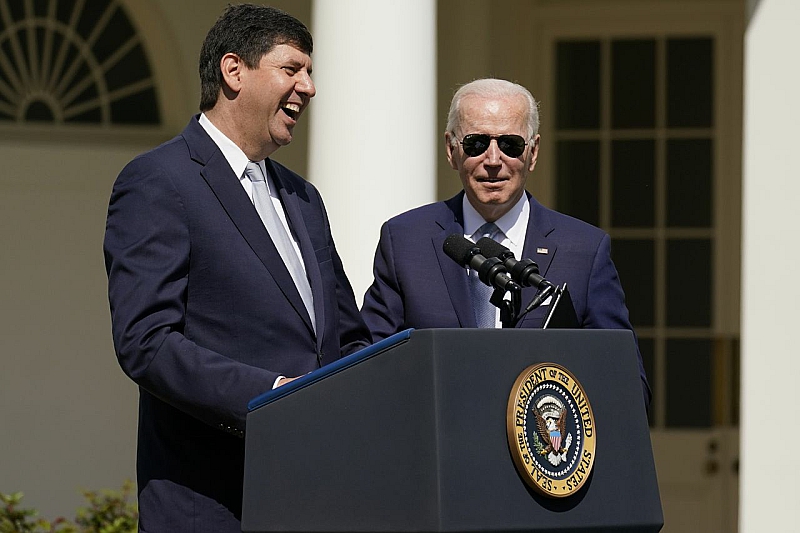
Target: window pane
[[16, 10], [38, 111], [88, 94], [689, 283], [635, 262], [131, 68], [578, 85], [40, 8], [632, 183], [578, 175], [689, 179], [690, 70], [633, 84], [27, 60], [87, 117], [90, 15], [116, 33], [688, 383], [40, 46], [5, 115], [64, 11], [139, 108]]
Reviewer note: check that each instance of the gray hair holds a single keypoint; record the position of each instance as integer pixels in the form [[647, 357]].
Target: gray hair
[[493, 88]]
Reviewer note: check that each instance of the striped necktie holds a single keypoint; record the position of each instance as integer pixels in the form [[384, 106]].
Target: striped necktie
[[485, 312]]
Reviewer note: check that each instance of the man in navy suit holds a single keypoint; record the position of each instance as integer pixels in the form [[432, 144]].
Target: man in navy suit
[[208, 308], [492, 141]]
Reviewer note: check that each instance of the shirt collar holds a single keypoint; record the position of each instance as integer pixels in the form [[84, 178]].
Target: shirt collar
[[232, 153], [513, 224]]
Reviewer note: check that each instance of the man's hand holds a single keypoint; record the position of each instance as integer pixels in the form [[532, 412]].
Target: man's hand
[[284, 381]]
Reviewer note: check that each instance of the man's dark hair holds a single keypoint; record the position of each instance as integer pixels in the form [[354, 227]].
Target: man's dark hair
[[250, 32]]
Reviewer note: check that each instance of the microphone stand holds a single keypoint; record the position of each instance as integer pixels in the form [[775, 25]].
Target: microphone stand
[[509, 310]]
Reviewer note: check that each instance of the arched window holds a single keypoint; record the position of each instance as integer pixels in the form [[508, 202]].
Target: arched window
[[77, 62]]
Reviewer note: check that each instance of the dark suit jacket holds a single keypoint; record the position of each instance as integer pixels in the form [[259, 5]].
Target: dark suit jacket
[[418, 286], [206, 316]]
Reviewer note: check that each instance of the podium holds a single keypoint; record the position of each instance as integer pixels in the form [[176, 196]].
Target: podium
[[411, 435]]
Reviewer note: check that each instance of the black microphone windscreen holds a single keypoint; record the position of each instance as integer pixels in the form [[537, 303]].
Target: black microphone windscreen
[[491, 248], [458, 248]]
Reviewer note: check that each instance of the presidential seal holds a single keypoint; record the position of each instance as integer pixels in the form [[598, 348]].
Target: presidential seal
[[551, 431]]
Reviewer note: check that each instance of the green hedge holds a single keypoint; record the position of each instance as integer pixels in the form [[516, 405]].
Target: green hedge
[[108, 511]]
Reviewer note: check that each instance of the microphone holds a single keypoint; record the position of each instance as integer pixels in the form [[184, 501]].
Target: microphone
[[525, 271], [491, 271]]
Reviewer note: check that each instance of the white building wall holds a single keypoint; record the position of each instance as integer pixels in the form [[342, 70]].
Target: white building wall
[[67, 412], [770, 464]]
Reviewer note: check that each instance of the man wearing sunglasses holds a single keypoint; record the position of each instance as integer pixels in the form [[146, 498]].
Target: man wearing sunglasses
[[492, 141]]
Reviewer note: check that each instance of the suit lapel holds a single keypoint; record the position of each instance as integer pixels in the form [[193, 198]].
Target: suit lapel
[[455, 277], [538, 246], [294, 214], [225, 184]]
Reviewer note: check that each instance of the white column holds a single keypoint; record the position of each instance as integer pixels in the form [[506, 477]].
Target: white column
[[373, 122], [770, 463]]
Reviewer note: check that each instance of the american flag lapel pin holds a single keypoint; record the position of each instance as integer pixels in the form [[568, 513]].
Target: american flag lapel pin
[[543, 251]]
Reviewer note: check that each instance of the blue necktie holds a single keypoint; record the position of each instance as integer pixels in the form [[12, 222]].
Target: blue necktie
[[485, 312], [277, 231]]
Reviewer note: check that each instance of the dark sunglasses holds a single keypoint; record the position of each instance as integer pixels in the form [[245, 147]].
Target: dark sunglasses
[[475, 144]]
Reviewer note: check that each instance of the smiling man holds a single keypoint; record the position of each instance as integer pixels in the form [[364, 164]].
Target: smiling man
[[224, 280], [492, 141]]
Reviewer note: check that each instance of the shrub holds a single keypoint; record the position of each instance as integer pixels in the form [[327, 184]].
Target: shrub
[[108, 512]]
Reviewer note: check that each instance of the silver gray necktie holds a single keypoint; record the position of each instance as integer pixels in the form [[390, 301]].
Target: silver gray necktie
[[280, 237], [485, 312]]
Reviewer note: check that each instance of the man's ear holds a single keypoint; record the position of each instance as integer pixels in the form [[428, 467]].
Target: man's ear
[[448, 146], [231, 67], [534, 153]]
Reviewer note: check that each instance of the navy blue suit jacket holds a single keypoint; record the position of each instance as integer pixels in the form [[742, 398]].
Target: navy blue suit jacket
[[418, 286], [205, 316]]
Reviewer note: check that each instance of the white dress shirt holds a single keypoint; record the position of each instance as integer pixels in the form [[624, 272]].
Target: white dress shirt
[[513, 227]]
